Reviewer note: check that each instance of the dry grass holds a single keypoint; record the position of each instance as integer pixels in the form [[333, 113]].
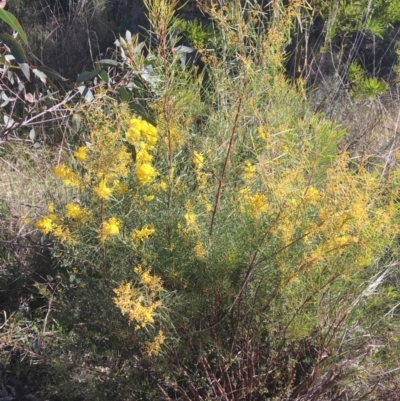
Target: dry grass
[[27, 186], [372, 125]]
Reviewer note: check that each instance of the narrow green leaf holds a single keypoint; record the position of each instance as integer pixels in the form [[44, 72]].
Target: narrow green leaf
[[106, 63], [123, 94], [14, 46], [142, 112], [51, 73], [87, 75], [103, 75], [9, 19], [17, 52]]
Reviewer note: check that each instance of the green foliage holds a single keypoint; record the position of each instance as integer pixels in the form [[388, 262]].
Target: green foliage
[[347, 16], [22, 111], [13, 45], [9, 19], [362, 86], [196, 33], [353, 30], [226, 250]]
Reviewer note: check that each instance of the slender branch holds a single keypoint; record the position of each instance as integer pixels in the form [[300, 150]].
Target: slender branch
[[29, 121], [228, 152]]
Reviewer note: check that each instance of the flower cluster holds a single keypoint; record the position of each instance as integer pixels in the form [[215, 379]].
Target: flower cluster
[[142, 234], [81, 153], [249, 171], [198, 163], [104, 167], [59, 225], [109, 228], [143, 136], [102, 190], [69, 177], [135, 305], [141, 303], [153, 347]]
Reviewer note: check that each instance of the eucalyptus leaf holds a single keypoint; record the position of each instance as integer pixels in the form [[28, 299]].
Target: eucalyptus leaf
[[87, 75], [25, 69], [14, 46], [17, 52], [21, 86], [142, 112], [123, 94], [8, 121], [51, 73], [107, 63], [11, 77], [5, 99], [86, 93], [41, 75], [12, 21], [103, 75]]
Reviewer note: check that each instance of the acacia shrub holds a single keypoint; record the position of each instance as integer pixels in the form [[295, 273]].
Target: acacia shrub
[[240, 258]]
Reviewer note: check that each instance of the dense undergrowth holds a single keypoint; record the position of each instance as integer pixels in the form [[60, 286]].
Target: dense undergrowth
[[212, 238]]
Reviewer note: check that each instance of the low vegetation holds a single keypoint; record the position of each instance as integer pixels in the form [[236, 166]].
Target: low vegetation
[[197, 228]]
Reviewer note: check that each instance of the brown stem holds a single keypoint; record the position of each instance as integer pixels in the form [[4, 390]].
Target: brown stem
[[228, 152]]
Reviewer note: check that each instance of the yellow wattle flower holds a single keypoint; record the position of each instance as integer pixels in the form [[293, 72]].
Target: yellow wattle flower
[[198, 160], [80, 154], [145, 173], [45, 224], [144, 233], [69, 177], [50, 207], [249, 171], [109, 227], [102, 191]]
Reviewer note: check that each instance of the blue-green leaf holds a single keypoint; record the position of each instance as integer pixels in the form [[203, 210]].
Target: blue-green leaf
[[17, 52], [9, 19], [106, 63], [87, 75], [51, 73], [86, 93], [103, 75]]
